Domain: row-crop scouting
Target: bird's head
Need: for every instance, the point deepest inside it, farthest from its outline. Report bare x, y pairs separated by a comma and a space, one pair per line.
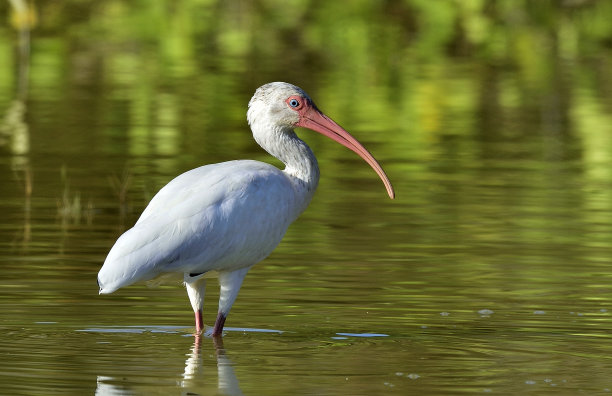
283, 106
280, 103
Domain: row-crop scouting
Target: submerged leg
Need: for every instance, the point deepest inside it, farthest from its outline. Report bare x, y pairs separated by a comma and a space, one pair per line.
195, 291
230, 283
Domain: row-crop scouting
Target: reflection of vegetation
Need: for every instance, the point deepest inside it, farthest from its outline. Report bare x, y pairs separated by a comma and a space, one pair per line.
69, 206
121, 187
13, 129
447, 84
157, 58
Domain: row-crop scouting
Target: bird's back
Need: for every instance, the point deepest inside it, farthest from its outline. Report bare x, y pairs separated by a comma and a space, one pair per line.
217, 217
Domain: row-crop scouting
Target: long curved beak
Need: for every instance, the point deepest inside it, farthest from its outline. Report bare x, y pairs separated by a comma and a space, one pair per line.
312, 118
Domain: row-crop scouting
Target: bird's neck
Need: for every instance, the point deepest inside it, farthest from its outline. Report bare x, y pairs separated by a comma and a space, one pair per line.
300, 163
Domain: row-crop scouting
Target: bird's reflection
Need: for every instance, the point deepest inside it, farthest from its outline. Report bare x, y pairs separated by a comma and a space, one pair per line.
227, 381
192, 376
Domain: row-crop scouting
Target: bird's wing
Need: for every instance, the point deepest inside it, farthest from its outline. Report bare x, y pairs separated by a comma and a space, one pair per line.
217, 217
201, 184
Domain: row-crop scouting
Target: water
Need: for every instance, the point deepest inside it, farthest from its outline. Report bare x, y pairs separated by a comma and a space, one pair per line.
489, 273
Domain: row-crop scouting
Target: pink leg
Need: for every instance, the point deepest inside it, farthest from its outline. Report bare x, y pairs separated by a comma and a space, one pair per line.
218, 329
198, 322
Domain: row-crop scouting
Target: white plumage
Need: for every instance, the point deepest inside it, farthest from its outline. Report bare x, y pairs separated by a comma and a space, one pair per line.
224, 218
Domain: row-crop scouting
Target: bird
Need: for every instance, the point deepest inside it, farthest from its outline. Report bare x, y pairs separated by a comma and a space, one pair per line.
221, 219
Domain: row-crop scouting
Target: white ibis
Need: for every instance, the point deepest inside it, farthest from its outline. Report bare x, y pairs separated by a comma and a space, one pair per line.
224, 218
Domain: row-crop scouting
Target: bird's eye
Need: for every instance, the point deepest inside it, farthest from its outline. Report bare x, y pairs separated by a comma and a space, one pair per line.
294, 103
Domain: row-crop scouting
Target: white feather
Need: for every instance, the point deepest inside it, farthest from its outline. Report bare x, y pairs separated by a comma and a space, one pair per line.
216, 217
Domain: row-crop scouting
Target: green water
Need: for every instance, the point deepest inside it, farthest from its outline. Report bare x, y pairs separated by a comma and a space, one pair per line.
490, 271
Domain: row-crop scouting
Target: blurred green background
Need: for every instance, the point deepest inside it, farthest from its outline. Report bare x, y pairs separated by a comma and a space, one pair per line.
534, 74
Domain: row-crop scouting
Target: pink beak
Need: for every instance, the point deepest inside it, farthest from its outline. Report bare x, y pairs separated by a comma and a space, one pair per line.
312, 118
